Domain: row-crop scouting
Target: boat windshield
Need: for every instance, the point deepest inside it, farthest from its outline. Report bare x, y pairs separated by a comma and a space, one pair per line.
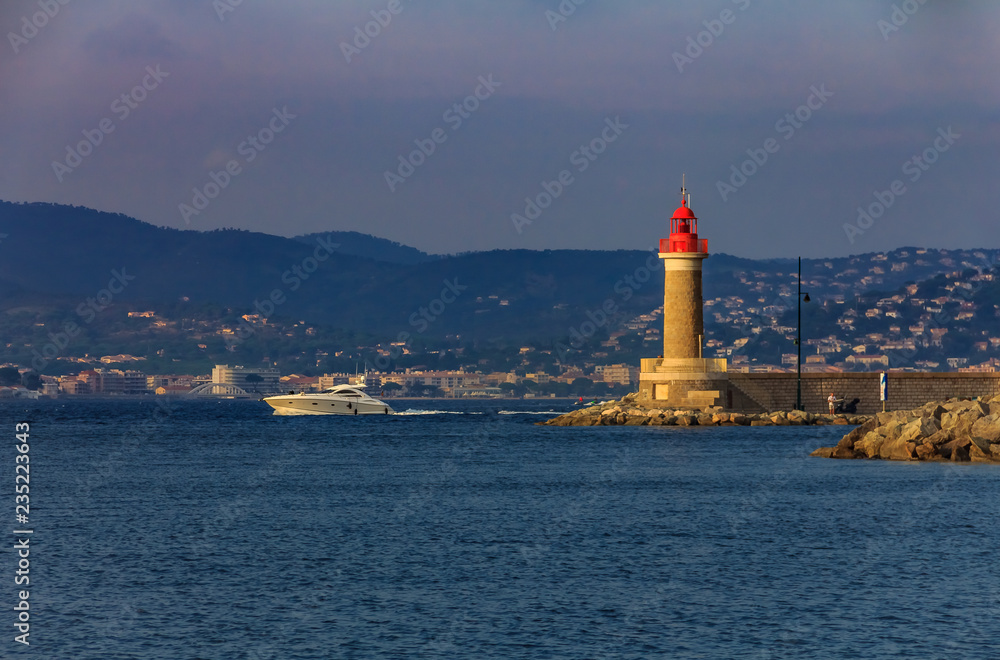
342, 391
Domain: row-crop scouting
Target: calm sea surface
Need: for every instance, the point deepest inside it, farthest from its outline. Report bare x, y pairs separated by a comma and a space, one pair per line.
217, 530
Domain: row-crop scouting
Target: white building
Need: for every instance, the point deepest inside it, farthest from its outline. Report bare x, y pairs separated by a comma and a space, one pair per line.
223, 374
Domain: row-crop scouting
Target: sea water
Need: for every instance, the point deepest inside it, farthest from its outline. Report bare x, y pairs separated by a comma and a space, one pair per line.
214, 529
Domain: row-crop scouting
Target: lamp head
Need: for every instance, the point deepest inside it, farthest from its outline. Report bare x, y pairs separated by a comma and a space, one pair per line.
806, 298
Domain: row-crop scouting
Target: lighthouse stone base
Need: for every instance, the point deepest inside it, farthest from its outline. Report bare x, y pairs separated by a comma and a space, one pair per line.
695, 383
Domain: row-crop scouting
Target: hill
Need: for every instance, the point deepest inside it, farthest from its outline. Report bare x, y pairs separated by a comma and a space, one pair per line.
62, 264
55, 252
371, 247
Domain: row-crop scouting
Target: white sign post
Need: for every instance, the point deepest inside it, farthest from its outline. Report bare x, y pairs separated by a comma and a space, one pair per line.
883, 389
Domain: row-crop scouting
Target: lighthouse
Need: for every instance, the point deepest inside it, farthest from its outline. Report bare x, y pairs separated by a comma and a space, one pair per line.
682, 377
682, 254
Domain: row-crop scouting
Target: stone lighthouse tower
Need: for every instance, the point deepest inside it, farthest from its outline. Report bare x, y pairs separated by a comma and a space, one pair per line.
682, 254
681, 377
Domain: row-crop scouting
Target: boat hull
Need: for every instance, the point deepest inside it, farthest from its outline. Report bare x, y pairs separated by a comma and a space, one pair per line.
306, 405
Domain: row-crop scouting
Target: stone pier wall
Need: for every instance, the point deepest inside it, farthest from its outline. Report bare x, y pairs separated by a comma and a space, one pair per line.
757, 392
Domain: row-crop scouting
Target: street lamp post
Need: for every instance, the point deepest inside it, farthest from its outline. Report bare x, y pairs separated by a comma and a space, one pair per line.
799, 299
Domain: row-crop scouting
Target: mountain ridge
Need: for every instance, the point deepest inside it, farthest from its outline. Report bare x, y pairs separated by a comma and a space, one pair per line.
54, 253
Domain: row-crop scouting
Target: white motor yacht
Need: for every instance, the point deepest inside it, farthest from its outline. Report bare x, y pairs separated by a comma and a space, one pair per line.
336, 400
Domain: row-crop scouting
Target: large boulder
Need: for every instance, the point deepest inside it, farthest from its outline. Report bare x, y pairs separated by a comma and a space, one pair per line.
847, 442
861, 431
941, 437
884, 418
977, 455
987, 428
897, 449
870, 445
918, 429
779, 419
902, 416
800, 417
983, 445
843, 452
934, 410
894, 428
983, 409
956, 450
958, 405
960, 455
961, 421
928, 452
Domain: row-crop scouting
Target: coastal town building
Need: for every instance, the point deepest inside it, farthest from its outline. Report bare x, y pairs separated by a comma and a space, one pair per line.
107, 381
621, 374
168, 380
17, 392
259, 379
445, 380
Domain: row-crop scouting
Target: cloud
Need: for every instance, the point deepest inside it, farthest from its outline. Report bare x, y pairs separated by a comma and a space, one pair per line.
133, 38
607, 59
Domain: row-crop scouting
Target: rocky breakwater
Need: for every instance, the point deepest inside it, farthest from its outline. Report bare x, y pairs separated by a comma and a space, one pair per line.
956, 430
626, 412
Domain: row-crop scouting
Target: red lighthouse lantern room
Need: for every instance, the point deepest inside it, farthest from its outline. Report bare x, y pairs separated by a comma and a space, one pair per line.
684, 231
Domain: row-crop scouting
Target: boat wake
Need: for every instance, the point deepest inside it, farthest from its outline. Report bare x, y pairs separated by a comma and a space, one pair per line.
417, 411
413, 411
528, 412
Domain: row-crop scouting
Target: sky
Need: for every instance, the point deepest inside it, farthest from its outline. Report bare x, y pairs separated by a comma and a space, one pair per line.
814, 129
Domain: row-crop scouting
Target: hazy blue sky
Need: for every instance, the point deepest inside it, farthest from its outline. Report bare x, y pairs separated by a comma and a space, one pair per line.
887, 81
